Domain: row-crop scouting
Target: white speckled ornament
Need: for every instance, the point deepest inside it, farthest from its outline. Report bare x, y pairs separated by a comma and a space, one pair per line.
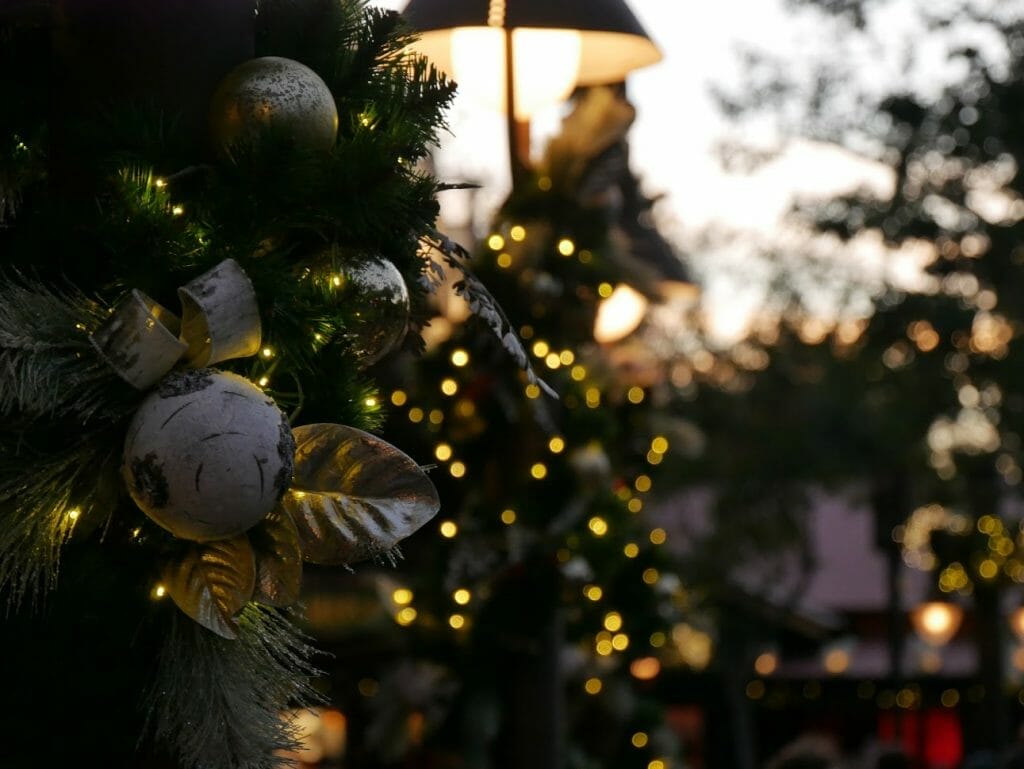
274, 92
208, 455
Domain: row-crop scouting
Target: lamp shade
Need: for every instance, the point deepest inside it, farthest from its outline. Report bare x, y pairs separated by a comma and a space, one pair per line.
557, 45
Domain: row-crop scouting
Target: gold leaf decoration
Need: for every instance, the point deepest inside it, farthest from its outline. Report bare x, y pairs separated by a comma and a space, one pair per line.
353, 495
213, 582
278, 560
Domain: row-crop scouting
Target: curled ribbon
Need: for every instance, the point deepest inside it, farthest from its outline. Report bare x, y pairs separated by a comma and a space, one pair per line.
142, 340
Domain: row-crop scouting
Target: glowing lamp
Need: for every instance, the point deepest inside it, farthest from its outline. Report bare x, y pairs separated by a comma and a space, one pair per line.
619, 315
936, 622
555, 46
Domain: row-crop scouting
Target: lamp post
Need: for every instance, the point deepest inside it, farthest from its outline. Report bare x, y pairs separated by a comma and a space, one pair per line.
522, 55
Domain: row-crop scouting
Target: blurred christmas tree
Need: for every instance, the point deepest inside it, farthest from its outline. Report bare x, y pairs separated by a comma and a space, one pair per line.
254, 165
544, 583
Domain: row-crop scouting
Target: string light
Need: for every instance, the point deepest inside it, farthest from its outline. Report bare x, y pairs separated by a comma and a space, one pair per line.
593, 397
508, 517
457, 469
399, 398
566, 247
654, 458
495, 242
457, 621
650, 576
517, 233
263, 381
449, 529
566, 357
159, 591
642, 483
605, 290
436, 416
402, 596
645, 669
635, 505
639, 739
539, 470
658, 537
604, 647
578, 373
532, 391
556, 445
504, 260
443, 452
656, 764
177, 210
552, 360
635, 395
449, 387
592, 686
598, 526
657, 639
541, 348
336, 281
73, 513
160, 183
659, 445
544, 183
415, 415
462, 596
612, 621
267, 352
631, 550
370, 402
620, 642
585, 256
593, 592
406, 616
460, 358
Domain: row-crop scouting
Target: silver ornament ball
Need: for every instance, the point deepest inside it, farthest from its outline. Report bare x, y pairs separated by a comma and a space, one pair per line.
379, 299
207, 455
275, 93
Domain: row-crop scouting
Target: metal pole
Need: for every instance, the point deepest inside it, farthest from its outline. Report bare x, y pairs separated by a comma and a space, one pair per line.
518, 131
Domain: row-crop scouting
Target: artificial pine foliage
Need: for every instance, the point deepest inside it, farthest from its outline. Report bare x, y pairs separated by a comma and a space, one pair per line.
116, 203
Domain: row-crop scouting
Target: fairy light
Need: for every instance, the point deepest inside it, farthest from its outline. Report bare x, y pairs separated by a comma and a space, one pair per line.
532, 391
578, 373
639, 739
598, 526
508, 517
406, 616
592, 686
136, 532
604, 647
656, 764
566, 357
449, 387
457, 469
654, 458
370, 402
645, 669
620, 642
631, 550
436, 416
593, 397
657, 639
659, 445
267, 352
556, 445
263, 381
457, 621
642, 483
159, 591
539, 470
178, 210
552, 360
73, 513
635, 395
635, 505
566, 247
495, 242
460, 358
544, 185
541, 348
526, 332
517, 233
593, 592
658, 537
399, 398
461, 596
402, 596
465, 408
449, 529
159, 183
336, 281
585, 256
605, 290
443, 452
504, 260
650, 576
415, 415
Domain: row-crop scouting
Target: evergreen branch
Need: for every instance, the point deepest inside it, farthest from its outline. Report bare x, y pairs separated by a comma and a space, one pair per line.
47, 366
219, 703
41, 498
480, 301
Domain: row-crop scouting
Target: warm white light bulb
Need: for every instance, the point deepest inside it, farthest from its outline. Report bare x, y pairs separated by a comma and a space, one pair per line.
619, 315
546, 61
936, 622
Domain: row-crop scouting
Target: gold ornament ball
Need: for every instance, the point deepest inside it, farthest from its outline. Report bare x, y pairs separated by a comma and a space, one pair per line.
278, 94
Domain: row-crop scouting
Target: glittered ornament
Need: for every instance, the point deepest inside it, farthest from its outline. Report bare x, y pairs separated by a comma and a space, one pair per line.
274, 93
208, 455
379, 299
